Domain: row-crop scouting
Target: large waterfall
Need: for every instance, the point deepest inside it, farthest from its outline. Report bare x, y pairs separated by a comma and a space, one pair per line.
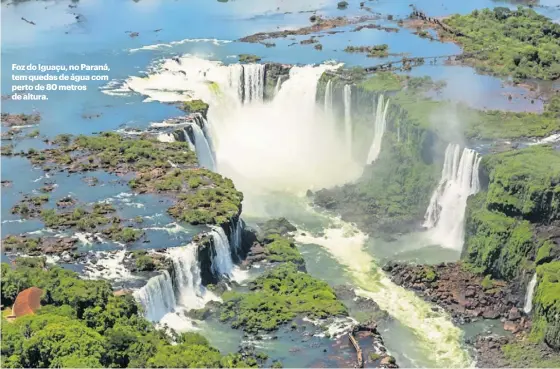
446, 213
222, 263
379, 129
529, 295
348, 117
276, 151
253, 83
157, 297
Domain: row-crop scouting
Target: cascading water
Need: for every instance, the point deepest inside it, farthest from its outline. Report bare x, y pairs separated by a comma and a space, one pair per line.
222, 263
278, 85
446, 213
437, 341
529, 295
328, 106
279, 150
236, 234
379, 129
157, 297
203, 149
164, 294
189, 141
348, 117
166, 137
253, 83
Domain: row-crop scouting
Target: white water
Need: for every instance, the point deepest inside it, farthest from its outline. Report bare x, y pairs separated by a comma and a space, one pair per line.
222, 264
278, 85
164, 294
166, 137
438, 339
157, 297
236, 235
348, 117
203, 149
328, 106
279, 149
446, 213
379, 129
253, 83
529, 295
188, 284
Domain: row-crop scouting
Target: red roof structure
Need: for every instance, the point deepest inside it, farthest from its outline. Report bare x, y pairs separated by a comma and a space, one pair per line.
27, 302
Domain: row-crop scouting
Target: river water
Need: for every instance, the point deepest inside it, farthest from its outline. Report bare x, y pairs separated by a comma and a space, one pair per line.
274, 152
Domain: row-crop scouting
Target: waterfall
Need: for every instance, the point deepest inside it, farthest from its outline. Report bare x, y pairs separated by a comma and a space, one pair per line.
529, 295
253, 83
329, 98
203, 149
379, 129
236, 234
222, 264
192, 147
446, 212
157, 297
278, 85
166, 137
348, 117
187, 282
235, 79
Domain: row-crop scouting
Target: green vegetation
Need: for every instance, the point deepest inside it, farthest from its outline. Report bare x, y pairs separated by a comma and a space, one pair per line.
547, 304
249, 58
525, 354
502, 239
375, 51
520, 43
215, 200
522, 191
33, 134
524, 183
381, 82
487, 283
280, 249
195, 106
82, 324
277, 297
202, 197
342, 5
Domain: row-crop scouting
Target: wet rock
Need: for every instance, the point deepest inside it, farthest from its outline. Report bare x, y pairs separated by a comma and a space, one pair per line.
514, 314
66, 202
458, 291
90, 181
11, 120
6, 183
58, 245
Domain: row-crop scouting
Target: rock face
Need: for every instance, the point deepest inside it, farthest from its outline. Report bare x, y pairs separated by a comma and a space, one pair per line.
273, 72
464, 295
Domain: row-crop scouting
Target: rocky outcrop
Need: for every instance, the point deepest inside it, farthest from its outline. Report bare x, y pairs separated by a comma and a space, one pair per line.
12, 120
466, 296
31, 246
274, 72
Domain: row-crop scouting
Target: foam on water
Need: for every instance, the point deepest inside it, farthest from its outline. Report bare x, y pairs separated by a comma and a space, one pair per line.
438, 338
